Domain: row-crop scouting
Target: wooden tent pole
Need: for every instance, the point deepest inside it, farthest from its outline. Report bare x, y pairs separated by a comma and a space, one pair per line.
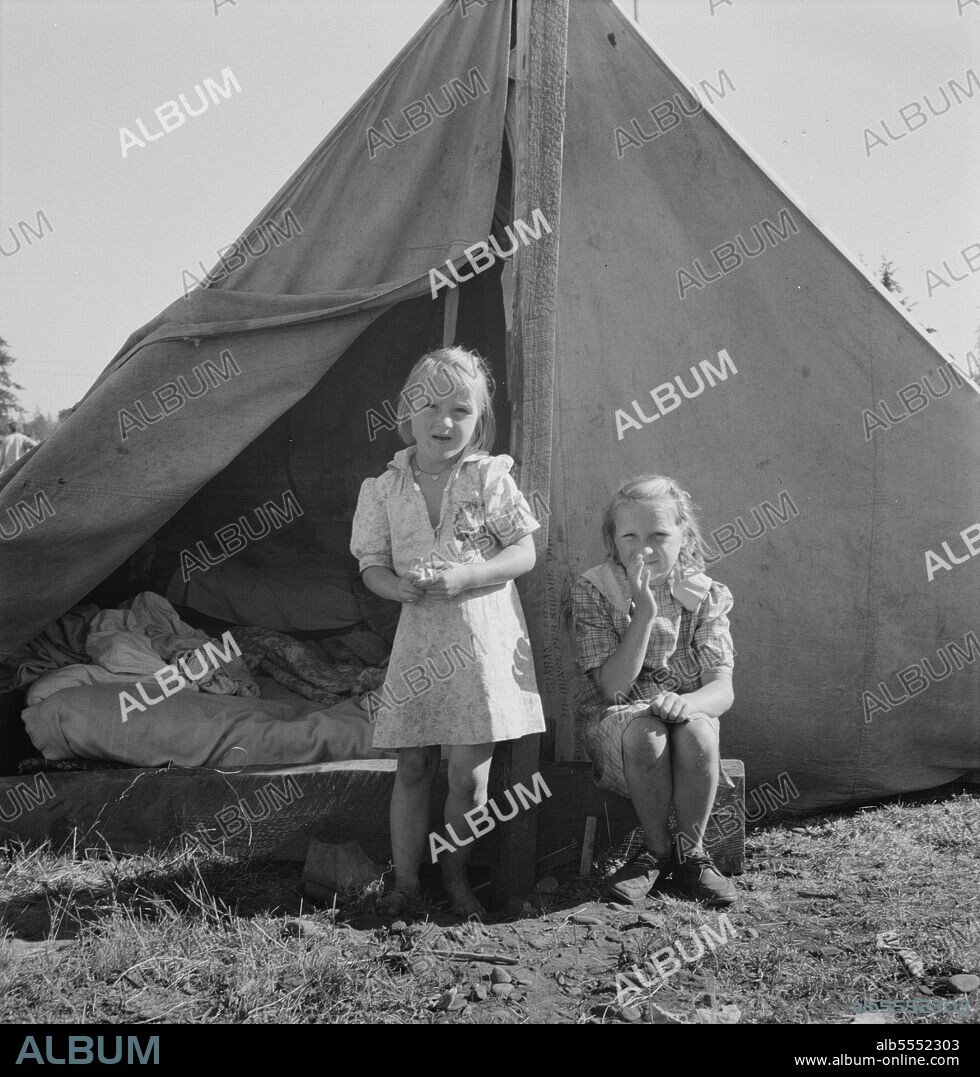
541, 47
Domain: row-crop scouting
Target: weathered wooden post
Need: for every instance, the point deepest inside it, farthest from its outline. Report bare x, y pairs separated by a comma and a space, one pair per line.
539, 73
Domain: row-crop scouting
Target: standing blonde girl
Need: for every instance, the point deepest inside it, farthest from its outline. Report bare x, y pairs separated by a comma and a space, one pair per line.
445, 531
653, 643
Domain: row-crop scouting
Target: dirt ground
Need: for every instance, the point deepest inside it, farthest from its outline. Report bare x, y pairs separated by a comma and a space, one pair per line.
877, 904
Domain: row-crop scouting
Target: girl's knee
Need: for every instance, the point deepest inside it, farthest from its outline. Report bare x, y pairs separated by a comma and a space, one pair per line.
699, 735
417, 765
467, 782
469, 770
646, 740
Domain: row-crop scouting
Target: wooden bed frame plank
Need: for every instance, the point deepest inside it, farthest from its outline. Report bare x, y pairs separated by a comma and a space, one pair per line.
273, 812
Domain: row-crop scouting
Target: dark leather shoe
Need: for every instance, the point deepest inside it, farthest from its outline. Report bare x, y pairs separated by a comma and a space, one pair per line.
636, 879
699, 877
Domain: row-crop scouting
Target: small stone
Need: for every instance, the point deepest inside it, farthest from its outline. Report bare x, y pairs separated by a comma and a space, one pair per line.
479, 993
500, 976
751, 932
515, 906
451, 1001
632, 1014
573, 992
725, 1015
964, 983
547, 885
521, 976
502, 990
300, 927
586, 919
656, 1016
483, 969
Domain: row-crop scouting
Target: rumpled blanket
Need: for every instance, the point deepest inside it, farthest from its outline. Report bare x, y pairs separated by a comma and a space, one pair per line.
144, 634
61, 643
295, 665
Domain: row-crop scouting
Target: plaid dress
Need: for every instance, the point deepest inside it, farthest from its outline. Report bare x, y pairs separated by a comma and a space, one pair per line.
690, 637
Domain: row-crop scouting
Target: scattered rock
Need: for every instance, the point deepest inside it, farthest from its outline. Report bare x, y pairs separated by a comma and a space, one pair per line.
300, 927
479, 993
483, 970
724, 1015
656, 1016
751, 932
632, 1014
963, 983
502, 990
573, 992
586, 919
517, 906
500, 976
452, 1001
522, 976
547, 885
337, 867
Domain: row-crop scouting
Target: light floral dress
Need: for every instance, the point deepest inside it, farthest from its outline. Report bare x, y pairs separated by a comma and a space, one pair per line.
461, 670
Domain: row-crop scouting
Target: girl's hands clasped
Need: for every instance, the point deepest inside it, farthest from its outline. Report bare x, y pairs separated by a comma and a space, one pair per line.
448, 583
408, 589
671, 708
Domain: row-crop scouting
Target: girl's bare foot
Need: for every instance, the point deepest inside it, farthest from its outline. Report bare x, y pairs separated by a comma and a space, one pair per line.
397, 902
464, 901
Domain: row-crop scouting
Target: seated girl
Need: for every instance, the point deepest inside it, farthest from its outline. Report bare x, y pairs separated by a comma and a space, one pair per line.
654, 647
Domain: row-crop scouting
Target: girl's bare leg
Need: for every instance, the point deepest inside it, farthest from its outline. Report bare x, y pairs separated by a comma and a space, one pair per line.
410, 813
647, 766
695, 755
469, 772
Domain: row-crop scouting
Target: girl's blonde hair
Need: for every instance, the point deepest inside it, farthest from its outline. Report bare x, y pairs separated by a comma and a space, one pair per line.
661, 492
438, 374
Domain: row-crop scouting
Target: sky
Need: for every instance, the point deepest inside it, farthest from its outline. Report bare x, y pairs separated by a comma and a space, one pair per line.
117, 232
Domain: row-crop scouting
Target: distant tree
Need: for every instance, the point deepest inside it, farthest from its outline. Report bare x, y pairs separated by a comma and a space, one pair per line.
886, 274
9, 406
41, 426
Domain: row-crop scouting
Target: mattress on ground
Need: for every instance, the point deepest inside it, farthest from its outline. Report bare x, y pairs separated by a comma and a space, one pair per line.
194, 729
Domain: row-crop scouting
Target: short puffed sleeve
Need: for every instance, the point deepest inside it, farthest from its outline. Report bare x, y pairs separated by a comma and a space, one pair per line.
371, 533
712, 643
508, 515
596, 637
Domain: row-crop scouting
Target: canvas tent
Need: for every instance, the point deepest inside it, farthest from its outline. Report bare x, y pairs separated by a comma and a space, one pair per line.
792, 346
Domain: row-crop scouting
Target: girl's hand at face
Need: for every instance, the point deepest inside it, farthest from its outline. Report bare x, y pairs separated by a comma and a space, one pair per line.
408, 588
671, 708
448, 583
645, 605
